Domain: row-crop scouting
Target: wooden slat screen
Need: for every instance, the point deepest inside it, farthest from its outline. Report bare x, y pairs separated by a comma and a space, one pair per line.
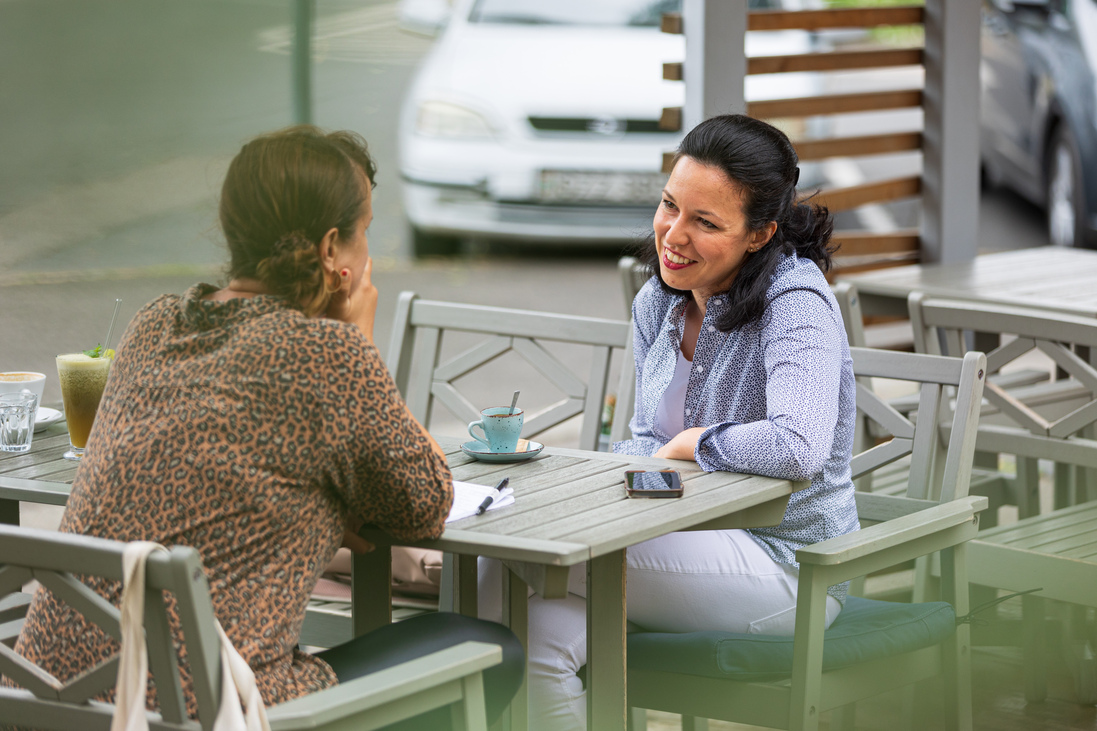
835, 61
835, 104
671, 118
854, 146
867, 243
836, 18
671, 23
859, 250
668, 162
880, 191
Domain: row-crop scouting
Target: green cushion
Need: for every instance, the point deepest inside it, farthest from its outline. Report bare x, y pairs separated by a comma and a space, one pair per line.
864, 630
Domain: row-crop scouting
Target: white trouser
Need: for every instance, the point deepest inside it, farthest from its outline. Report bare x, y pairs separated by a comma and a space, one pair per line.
680, 582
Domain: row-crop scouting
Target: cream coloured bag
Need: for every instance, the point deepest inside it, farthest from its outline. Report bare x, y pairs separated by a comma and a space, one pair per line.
237, 679
415, 572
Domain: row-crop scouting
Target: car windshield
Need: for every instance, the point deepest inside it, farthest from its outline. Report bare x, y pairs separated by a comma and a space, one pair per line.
644, 13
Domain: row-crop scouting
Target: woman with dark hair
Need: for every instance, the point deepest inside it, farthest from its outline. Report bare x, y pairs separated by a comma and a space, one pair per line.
742, 365
257, 422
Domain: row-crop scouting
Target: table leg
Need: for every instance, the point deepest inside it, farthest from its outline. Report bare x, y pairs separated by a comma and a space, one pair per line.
371, 589
9, 512
465, 586
607, 708
516, 616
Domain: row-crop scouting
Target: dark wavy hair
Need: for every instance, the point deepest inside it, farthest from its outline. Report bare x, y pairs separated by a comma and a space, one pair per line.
282, 193
760, 160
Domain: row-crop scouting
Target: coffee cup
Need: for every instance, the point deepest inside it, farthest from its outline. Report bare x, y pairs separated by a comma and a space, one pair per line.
501, 429
17, 381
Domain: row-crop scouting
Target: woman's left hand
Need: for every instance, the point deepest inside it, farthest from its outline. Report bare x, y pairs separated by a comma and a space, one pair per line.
356, 304
683, 445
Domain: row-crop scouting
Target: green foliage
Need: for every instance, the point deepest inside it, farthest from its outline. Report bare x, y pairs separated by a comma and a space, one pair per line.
894, 35
99, 352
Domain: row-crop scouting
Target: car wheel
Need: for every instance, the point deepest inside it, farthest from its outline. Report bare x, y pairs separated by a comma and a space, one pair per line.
1065, 219
427, 244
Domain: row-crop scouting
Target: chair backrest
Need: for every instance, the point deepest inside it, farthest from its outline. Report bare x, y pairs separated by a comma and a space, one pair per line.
55, 560
634, 274
852, 318
950, 390
1061, 427
415, 359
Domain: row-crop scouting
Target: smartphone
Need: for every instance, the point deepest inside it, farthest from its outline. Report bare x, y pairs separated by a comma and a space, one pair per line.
653, 483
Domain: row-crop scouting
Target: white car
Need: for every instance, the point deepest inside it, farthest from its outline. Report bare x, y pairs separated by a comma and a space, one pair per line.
539, 120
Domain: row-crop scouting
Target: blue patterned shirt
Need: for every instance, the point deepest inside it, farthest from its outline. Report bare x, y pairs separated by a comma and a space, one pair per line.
776, 399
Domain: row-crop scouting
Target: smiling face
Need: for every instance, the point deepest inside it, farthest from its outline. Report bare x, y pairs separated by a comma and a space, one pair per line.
701, 233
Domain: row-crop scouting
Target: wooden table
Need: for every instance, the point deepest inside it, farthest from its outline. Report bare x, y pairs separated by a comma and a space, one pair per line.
41, 475
1050, 277
570, 508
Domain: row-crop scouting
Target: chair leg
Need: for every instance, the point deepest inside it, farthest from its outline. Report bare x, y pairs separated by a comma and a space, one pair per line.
1080, 657
1064, 485
1035, 640
955, 687
1028, 487
469, 714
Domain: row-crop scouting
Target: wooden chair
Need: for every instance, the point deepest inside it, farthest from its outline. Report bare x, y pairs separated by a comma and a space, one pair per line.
788, 682
634, 275
449, 677
892, 480
415, 358
421, 326
1053, 421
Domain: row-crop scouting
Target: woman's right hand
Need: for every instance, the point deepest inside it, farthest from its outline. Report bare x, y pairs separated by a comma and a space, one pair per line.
356, 303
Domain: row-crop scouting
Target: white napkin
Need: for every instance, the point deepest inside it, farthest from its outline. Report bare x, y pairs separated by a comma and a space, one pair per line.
467, 498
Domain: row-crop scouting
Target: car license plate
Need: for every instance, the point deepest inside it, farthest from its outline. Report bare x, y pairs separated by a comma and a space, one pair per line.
593, 187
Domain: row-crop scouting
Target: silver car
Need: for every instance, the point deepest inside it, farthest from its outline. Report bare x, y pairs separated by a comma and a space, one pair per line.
540, 121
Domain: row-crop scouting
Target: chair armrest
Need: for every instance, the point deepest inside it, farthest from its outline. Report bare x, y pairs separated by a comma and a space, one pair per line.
893, 533
402, 681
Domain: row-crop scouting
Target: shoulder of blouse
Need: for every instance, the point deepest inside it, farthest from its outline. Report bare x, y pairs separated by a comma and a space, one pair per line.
793, 274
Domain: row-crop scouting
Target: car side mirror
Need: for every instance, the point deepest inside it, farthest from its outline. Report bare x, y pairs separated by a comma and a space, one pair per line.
425, 17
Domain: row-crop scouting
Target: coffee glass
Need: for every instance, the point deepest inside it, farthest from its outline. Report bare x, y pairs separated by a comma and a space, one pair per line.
500, 427
17, 414
83, 379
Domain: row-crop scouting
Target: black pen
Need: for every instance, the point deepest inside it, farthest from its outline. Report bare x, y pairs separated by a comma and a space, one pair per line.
492, 497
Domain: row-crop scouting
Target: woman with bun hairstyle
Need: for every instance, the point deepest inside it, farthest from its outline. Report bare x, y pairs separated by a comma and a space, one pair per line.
257, 423
742, 365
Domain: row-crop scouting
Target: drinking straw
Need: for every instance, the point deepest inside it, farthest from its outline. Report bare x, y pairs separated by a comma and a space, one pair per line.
513, 403
110, 330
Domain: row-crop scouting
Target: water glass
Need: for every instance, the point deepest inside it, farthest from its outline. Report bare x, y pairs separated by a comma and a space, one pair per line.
17, 414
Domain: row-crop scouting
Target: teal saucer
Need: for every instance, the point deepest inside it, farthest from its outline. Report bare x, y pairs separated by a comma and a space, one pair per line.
477, 450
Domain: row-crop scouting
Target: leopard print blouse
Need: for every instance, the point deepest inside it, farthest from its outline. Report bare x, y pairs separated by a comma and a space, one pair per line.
250, 432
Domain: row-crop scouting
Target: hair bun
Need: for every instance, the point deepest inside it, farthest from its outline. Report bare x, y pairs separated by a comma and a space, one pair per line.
290, 243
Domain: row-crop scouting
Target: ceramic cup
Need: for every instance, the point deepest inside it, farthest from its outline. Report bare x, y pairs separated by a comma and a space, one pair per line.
17, 381
501, 429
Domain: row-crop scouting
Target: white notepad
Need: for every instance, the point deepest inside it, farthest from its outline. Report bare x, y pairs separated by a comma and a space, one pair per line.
467, 498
